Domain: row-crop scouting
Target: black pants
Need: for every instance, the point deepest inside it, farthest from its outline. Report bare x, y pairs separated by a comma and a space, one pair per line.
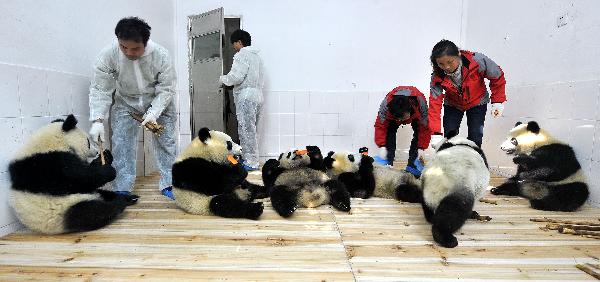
390, 143
475, 119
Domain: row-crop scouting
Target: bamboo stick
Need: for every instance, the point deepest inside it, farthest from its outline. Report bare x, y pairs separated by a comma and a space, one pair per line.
589, 270
566, 230
154, 127
102, 160
489, 201
545, 219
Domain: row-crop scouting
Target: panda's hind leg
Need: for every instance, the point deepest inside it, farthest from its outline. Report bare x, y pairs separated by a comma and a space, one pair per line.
450, 215
231, 206
93, 214
284, 200
409, 193
340, 198
566, 198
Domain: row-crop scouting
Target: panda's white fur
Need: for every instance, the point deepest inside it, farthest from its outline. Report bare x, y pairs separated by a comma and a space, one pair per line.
452, 182
387, 179
44, 212
217, 149
458, 167
548, 172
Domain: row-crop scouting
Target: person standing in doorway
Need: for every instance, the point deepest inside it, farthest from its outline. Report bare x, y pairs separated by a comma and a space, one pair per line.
402, 105
140, 74
246, 77
458, 82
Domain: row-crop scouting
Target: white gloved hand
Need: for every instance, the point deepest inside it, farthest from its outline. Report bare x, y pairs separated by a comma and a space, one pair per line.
383, 153
435, 139
97, 131
497, 109
148, 118
421, 154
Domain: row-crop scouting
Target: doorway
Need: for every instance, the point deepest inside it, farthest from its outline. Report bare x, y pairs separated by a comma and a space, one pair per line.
211, 55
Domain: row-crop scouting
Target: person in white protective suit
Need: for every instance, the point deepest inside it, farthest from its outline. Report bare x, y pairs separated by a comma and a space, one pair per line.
140, 74
246, 76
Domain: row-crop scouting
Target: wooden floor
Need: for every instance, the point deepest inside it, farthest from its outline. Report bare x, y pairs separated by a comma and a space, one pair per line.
379, 240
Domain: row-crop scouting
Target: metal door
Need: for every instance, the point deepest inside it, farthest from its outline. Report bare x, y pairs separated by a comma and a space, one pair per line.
205, 45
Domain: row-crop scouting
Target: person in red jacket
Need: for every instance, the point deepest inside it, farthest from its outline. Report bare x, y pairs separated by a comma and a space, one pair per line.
402, 105
457, 82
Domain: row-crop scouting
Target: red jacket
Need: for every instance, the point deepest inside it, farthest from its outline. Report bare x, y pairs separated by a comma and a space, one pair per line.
473, 92
384, 117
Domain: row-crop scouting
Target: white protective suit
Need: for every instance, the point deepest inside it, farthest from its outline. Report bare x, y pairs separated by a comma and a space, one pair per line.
246, 76
143, 86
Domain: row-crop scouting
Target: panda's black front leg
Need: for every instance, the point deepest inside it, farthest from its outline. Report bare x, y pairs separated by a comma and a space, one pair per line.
112, 196
508, 188
284, 200
366, 176
256, 191
270, 172
231, 206
525, 161
541, 173
340, 198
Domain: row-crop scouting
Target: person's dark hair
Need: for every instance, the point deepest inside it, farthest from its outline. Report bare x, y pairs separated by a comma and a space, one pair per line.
242, 35
133, 28
400, 105
442, 48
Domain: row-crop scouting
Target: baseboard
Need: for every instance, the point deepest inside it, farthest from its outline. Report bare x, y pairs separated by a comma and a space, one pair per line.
10, 228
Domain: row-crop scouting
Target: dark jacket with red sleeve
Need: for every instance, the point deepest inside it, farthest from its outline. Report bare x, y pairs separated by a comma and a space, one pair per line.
475, 67
419, 114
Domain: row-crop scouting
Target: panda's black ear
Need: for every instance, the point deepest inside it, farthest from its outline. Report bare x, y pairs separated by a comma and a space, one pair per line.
70, 123
351, 157
330, 153
280, 156
451, 134
533, 127
518, 123
204, 134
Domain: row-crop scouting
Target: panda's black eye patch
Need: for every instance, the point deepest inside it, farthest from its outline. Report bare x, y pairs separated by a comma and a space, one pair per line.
229, 145
351, 158
289, 155
514, 141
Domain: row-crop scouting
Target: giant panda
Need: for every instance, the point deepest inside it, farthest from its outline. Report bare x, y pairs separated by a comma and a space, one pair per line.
452, 181
298, 185
272, 169
208, 179
364, 180
548, 173
55, 190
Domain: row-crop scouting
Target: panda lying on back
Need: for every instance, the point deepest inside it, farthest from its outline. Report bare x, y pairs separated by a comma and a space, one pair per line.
548, 173
54, 190
298, 185
207, 179
452, 181
364, 180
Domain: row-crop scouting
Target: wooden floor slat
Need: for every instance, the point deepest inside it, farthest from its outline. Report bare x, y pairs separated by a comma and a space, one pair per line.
378, 240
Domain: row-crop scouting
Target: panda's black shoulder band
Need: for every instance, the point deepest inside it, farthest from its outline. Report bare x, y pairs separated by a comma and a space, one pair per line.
70, 123
204, 134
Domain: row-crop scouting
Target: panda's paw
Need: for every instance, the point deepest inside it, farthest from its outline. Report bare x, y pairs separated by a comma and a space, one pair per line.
255, 210
443, 239
107, 173
341, 203
508, 188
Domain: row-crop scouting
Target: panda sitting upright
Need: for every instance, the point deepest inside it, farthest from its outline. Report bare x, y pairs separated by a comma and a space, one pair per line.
364, 180
55, 190
298, 185
452, 181
207, 179
548, 173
